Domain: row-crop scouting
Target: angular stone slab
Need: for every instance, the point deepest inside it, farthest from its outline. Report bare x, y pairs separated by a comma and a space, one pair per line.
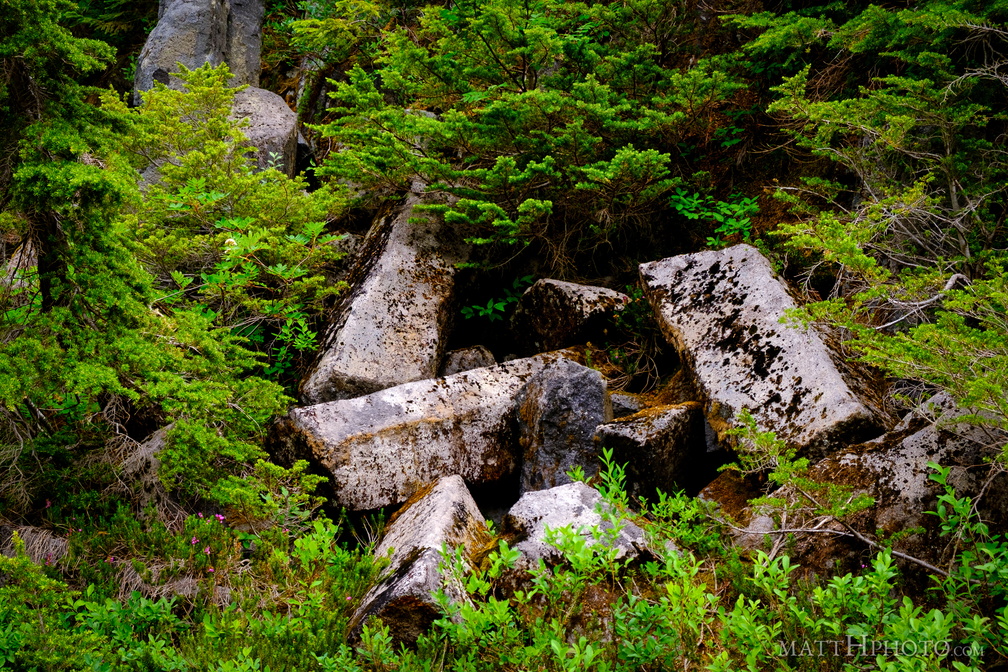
442, 514
558, 411
553, 314
657, 444
574, 505
721, 310
392, 324
382, 447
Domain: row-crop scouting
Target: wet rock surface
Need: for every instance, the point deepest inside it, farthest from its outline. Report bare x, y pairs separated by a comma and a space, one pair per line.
659, 446
382, 447
440, 515
558, 411
721, 310
392, 325
553, 314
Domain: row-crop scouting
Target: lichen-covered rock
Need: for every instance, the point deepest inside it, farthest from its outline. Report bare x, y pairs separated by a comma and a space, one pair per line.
658, 445
272, 127
442, 514
553, 314
574, 505
195, 32
392, 323
722, 311
382, 447
558, 411
466, 359
893, 471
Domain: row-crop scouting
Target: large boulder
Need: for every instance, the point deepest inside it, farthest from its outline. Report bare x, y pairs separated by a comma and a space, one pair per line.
658, 445
272, 127
553, 314
576, 506
195, 32
722, 311
382, 447
558, 411
392, 324
441, 515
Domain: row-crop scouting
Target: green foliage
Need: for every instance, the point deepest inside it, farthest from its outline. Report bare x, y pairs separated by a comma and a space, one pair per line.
495, 309
250, 246
542, 117
733, 218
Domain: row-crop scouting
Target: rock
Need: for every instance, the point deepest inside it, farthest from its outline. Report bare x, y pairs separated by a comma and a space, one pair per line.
194, 32
272, 128
466, 359
442, 514
558, 411
244, 40
624, 403
573, 505
553, 314
659, 446
722, 310
893, 470
382, 447
392, 324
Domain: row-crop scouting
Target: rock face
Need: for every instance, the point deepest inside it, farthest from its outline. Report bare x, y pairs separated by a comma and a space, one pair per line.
382, 447
392, 326
194, 32
721, 310
466, 359
443, 514
574, 505
553, 314
657, 444
558, 411
272, 127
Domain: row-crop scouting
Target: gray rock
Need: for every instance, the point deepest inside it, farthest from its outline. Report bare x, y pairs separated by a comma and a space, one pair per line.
195, 32
624, 403
392, 324
658, 446
244, 40
272, 127
573, 505
558, 411
440, 515
382, 447
553, 314
466, 359
893, 471
722, 310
